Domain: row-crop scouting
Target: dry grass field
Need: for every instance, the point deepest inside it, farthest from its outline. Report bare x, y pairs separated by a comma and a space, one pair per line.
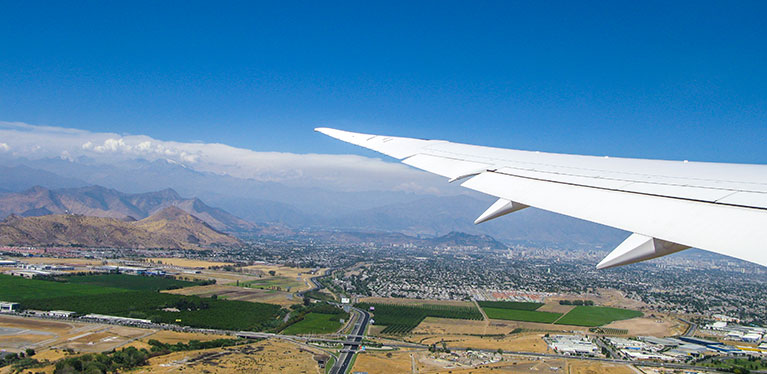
239, 293
508, 365
517, 342
188, 263
401, 362
433, 325
268, 357
104, 339
660, 326
444, 326
589, 367
379, 363
286, 272
555, 308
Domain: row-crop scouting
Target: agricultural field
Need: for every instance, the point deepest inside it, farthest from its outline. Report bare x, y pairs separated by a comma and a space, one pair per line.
193, 311
589, 316
401, 319
223, 292
521, 315
84, 298
509, 305
592, 316
129, 282
316, 323
517, 311
18, 289
276, 283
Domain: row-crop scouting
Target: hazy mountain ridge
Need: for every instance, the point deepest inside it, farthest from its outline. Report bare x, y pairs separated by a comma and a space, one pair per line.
170, 227
272, 205
97, 201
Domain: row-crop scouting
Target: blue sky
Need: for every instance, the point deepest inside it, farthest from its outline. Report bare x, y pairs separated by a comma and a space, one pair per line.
643, 79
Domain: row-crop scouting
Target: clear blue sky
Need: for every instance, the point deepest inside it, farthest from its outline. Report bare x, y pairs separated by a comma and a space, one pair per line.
647, 79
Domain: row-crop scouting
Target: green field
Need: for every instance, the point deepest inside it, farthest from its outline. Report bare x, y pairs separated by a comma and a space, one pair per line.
596, 316
401, 319
130, 282
18, 289
316, 323
521, 315
194, 311
579, 316
509, 305
85, 298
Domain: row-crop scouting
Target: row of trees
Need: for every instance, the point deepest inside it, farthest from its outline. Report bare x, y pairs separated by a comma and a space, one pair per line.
576, 302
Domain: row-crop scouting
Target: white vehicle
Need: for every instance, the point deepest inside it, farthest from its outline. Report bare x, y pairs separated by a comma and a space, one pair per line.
669, 206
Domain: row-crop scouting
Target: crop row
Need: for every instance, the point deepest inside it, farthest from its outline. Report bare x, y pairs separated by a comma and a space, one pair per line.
401, 319
516, 305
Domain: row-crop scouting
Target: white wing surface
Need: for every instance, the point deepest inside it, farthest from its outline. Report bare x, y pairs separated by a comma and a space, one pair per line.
668, 205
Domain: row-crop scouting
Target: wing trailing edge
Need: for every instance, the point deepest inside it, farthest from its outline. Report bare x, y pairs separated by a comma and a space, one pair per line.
668, 205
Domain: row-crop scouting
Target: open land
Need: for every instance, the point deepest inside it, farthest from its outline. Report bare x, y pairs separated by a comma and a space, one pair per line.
268, 357
187, 263
239, 293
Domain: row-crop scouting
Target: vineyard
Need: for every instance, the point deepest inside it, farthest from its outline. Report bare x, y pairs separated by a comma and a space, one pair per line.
401, 319
193, 311
596, 316
130, 282
510, 305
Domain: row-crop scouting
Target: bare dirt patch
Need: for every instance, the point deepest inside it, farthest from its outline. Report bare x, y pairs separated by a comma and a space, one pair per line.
173, 337
381, 363
519, 342
660, 326
269, 356
555, 308
239, 293
590, 367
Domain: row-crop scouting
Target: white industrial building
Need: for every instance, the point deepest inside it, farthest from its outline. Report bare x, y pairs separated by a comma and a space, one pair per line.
8, 307
572, 345
103, 317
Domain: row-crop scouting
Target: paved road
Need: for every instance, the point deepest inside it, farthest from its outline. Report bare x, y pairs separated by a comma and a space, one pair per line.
352, 344
691, 329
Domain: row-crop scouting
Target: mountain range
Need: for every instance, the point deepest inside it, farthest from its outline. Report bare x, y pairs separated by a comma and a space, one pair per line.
169, 227
270, 205
97, 201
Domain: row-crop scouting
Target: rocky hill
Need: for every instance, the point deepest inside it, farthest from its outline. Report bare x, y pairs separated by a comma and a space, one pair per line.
97, 201
170, 228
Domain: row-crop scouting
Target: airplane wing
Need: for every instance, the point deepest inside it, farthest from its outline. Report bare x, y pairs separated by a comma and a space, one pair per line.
669, 206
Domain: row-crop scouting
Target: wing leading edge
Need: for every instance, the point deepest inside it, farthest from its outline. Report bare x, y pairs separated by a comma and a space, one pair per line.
669, 206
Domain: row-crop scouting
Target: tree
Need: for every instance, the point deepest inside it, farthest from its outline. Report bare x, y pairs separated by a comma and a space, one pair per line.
30, 352
272, 272
307, 301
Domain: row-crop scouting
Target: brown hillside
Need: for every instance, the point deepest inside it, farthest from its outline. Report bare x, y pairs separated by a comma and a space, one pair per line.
169, 228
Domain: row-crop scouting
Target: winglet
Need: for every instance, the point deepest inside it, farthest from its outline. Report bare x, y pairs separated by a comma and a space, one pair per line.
499, 208
638, 248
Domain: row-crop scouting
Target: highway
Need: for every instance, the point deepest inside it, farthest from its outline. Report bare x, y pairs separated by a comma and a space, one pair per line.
690, 329
352, 343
